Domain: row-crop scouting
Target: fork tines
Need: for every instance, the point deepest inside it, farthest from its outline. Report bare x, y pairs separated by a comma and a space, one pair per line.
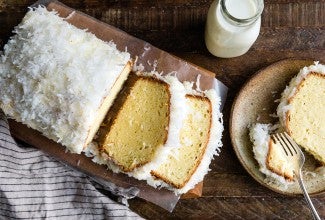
287, 143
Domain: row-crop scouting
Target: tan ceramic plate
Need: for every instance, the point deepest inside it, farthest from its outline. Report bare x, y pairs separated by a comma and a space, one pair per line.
255, 103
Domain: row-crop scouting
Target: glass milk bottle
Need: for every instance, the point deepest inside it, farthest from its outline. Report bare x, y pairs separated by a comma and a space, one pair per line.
232, 26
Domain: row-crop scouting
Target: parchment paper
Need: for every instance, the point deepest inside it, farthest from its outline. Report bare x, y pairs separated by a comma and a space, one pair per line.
148, 56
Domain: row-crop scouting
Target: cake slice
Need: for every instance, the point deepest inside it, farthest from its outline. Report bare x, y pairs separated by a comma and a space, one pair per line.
58, 79
143, 125
200, 141
269, 154
139, 126
301, 110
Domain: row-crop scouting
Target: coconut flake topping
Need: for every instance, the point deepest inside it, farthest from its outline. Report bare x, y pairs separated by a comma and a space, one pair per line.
54, 76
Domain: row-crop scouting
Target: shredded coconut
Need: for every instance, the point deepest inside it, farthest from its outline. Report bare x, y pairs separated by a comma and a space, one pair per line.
137, 67
198, 88
54, 76
260, 136
70, 15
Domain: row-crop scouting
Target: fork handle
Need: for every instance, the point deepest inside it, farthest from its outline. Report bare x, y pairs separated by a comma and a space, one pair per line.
307, 198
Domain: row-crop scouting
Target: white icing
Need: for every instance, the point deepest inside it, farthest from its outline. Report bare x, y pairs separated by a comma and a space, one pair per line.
54, 76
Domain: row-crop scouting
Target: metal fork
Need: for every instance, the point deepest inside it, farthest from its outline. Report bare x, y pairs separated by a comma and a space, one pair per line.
295, 155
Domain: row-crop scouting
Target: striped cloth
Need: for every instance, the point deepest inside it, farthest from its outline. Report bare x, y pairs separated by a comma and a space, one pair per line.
34, 185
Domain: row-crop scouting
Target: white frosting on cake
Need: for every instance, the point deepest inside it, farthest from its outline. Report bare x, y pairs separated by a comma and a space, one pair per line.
291, 89
260, 136
178, 112
54, 76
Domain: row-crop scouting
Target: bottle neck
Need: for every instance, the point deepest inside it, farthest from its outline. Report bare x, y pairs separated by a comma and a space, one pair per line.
244, 14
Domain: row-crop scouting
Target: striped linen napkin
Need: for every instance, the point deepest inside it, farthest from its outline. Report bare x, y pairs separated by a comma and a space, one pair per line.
34, 185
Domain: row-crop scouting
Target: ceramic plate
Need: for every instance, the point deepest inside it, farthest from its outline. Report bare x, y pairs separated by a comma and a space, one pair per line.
256, 103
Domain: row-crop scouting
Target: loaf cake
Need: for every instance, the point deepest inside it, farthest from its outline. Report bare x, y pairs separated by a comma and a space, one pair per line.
144, 124
200, 141
302, 110
65, 83
270, 155
58, 79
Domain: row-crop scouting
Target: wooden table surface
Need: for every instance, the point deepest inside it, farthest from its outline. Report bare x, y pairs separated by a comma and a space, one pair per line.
290, 29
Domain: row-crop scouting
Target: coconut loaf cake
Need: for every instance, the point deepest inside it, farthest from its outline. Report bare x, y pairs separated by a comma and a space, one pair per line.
63, 81
301, 110
58, 79
200, 141
144, 124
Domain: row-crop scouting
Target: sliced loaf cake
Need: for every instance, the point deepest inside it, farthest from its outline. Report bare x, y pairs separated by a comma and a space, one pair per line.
58, 79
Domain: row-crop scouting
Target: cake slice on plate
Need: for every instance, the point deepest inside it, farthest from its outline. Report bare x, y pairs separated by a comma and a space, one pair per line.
302, 110
270, 155
58, 79
301, 114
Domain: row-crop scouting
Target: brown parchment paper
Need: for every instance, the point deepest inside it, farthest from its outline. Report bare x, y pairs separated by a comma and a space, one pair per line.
151, 58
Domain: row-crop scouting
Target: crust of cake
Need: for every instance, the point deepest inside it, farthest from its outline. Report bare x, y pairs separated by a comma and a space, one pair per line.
113, 113
107, 103
273, 169
290, 100
179, 186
